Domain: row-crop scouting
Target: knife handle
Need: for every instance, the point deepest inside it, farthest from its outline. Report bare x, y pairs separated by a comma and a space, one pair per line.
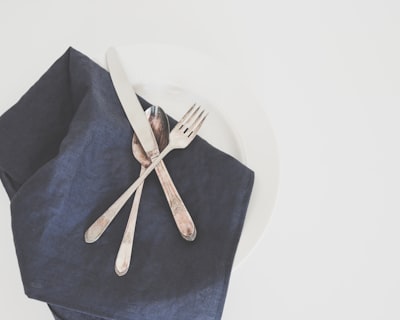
181, 215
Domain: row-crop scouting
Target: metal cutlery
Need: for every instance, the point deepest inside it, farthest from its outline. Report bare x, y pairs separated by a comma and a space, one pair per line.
144, 133
160, 126
180, 137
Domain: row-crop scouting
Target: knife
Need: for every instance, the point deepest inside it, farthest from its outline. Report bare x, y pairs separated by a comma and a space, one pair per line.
143, 131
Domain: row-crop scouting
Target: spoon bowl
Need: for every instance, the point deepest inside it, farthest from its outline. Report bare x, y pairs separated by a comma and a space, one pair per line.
160, 125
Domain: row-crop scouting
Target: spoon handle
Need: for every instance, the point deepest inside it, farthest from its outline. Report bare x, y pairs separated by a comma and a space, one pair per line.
98, 227
181, 215
123, 259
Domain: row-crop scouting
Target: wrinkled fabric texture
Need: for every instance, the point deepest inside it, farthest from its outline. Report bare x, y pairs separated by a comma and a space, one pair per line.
65, 157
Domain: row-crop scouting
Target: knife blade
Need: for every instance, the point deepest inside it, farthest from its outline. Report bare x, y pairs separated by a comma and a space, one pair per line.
131, 104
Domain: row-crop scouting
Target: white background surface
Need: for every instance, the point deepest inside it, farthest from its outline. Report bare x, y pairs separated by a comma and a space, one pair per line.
327, 74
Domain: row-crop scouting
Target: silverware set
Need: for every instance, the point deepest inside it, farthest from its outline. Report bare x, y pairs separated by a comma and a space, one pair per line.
151, 143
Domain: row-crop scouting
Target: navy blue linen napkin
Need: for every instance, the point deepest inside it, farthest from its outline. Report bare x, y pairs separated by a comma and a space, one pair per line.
65, 156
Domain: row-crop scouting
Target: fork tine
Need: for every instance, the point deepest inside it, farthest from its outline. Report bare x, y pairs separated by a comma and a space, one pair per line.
196, 120
189, 121
198, 123
187, 114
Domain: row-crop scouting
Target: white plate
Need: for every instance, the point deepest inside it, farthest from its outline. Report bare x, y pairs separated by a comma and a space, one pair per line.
176, 77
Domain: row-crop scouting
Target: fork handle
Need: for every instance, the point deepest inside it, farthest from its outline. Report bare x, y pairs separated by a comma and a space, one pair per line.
94, 232
181, 215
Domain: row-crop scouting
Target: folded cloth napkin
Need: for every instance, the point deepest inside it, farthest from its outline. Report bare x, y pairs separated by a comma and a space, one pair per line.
65, 157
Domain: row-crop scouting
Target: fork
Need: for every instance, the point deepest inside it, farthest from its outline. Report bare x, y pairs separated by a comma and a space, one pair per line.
179, 138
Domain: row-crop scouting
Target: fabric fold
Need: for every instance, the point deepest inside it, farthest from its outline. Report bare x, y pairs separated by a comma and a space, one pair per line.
65, 157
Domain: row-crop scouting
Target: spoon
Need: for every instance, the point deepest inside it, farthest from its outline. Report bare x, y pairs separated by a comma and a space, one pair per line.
160, 126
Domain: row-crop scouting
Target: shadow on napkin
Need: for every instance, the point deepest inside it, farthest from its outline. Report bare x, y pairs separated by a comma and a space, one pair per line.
65, 157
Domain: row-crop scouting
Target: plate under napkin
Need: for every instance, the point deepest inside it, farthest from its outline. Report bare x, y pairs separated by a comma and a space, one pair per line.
65, 156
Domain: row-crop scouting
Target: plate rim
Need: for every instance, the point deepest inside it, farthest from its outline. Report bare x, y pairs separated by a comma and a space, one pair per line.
247, 243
